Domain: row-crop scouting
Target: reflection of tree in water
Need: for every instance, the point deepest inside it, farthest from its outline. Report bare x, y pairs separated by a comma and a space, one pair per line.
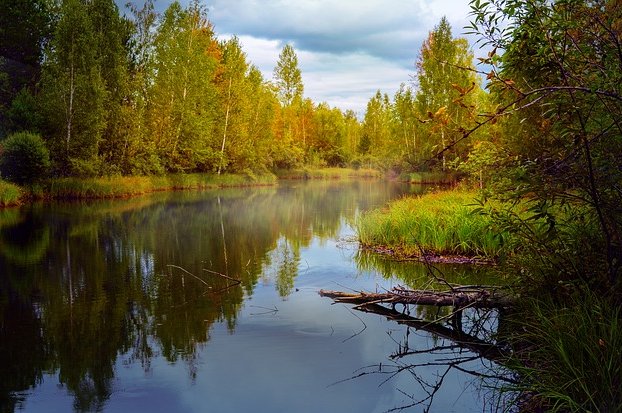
452, 342
93, 281
21, 366
418, 275
24, 241
466, 341
282, 267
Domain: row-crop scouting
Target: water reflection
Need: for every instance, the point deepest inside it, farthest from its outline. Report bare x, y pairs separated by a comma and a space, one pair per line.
83, 283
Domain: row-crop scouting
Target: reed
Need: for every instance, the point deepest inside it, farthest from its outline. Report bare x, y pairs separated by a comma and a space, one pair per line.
441, 222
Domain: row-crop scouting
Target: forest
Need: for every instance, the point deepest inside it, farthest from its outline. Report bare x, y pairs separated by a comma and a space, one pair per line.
141, 93
535, 127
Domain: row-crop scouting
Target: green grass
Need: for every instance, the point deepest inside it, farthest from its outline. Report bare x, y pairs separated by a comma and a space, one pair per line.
10, 194
328, 173
441, 222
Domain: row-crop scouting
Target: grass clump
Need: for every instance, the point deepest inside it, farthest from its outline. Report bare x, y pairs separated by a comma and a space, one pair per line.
441, 222
10, 194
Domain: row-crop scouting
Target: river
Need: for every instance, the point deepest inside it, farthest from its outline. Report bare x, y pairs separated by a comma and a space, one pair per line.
208, 301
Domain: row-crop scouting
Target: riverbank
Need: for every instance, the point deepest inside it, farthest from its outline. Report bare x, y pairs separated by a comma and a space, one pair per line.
123, 186
563, 335
327, 173
129, 186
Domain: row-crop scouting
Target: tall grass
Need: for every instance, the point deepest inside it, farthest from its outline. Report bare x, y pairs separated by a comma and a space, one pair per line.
441, 222
10, 194
573, 354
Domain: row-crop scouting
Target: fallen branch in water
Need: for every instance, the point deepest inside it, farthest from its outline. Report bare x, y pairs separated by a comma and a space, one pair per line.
476, 297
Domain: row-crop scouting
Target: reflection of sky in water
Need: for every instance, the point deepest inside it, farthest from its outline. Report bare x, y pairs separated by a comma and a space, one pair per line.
293, 359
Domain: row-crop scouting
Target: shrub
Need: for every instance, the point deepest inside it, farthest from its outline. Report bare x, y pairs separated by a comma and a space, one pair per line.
24, 158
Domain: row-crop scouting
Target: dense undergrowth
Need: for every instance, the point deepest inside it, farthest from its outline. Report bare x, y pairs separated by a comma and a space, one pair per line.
566, 332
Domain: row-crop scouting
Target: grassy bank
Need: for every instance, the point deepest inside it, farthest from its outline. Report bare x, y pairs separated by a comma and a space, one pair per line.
123, 186
328, 173
116, 187
442, 223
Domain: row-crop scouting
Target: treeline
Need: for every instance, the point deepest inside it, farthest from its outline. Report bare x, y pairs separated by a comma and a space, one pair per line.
148, 93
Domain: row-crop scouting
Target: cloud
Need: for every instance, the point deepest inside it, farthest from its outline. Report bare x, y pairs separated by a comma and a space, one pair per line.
390, 29
347, 49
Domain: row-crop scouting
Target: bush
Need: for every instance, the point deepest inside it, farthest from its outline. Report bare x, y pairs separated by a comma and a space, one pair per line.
24, 158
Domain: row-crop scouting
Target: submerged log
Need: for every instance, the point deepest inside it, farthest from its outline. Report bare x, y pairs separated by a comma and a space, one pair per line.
467, 296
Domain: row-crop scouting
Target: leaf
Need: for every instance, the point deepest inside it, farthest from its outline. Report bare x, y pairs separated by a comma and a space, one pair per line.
441, 111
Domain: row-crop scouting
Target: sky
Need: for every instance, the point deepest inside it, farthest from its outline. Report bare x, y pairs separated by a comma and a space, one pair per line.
347, 49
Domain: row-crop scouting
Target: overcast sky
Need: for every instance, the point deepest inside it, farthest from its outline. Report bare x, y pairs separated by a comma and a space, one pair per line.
347, 49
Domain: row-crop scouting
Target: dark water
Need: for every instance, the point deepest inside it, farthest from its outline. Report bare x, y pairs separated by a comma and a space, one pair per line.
132, 305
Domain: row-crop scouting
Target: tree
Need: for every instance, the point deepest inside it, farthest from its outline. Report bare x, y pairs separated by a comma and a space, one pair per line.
25, 27
183, 98
233, 95
445, 98
73, 92
24, 159
558, 85
559, 100
287, 76
376, 132
112, 34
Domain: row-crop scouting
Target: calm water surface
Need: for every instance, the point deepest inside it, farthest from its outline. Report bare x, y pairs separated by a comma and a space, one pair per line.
132, 305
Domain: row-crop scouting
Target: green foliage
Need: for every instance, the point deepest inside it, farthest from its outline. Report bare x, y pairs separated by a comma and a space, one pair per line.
72, 89
447, 96
10, 194
288, 77
563, 136
24, 158
558, 86
483, 163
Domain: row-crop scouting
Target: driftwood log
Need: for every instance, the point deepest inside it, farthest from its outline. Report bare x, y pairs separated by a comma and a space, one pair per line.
459, 297
449, 327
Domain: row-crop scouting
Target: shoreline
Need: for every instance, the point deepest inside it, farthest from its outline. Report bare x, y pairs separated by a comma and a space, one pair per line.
123, 187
